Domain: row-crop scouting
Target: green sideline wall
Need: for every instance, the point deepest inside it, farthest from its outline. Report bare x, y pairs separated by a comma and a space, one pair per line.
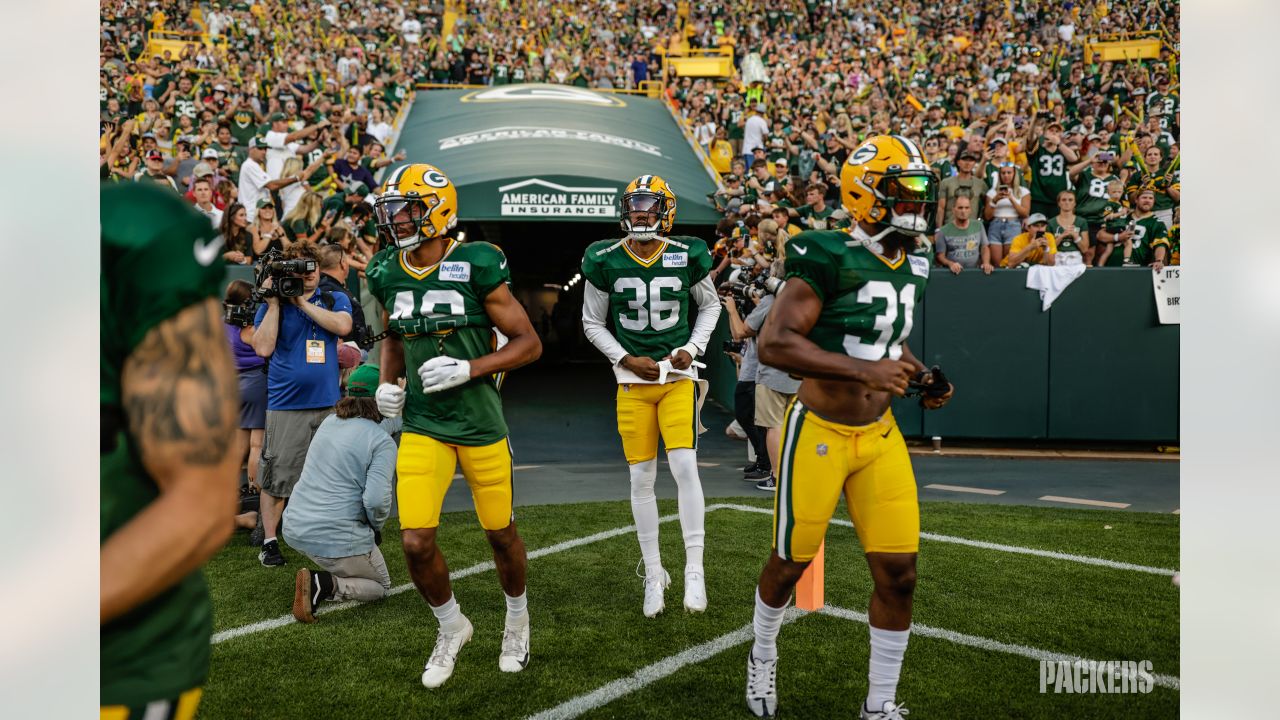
1096, 366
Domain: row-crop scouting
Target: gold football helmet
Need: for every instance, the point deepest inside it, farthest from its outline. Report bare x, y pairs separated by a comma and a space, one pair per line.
648, 194
418, 202
888, 182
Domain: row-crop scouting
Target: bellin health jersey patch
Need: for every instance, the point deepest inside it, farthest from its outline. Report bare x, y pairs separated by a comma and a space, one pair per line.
455, 271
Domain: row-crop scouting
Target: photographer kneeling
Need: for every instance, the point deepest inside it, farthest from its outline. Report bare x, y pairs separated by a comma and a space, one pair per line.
297, 328
341, 502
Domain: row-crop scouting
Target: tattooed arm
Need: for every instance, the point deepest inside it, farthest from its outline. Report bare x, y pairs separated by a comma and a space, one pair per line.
180, 396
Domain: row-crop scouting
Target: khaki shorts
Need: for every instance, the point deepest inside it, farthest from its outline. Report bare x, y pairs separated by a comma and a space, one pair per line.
771, 405
284, 447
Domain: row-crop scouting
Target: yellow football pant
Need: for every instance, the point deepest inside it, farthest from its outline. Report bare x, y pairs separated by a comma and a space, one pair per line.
425, 468
182, 707
646, 410
869, 464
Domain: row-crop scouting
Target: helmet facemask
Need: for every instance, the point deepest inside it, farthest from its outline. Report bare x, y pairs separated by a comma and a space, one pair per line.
405, 221
909, 199
652, 203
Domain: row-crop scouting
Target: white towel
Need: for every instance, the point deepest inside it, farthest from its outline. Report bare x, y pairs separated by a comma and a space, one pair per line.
1051, 280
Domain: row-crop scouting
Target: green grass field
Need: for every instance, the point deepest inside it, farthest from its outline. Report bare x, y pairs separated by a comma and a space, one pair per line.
588, 631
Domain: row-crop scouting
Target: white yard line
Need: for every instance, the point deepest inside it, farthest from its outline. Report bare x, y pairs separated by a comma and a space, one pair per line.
1177, 511
455, 575
1165, 681
668, 666
1086, 501
283, 620
1082, 559
963, 489
650, 674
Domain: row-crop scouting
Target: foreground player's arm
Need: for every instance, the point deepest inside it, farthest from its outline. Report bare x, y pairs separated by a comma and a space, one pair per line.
523, 345
180, 395
783, 344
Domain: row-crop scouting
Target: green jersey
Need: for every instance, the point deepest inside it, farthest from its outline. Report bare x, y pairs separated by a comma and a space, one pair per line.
868, 302
1048, 175
158, 257
828, 218
243, 126
648, 297
1091, 195
1148, 233
439, 310
1070, 242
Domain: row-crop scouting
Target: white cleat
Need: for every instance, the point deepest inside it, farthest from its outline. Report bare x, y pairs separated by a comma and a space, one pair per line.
889, 711
695, 591
515, 648
445, 655
762, 687
654, 593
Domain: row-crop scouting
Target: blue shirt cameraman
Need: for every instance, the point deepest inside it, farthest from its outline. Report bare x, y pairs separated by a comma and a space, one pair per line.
300, 335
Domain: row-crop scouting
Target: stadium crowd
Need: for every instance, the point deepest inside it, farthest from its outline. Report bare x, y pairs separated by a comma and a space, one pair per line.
274, 118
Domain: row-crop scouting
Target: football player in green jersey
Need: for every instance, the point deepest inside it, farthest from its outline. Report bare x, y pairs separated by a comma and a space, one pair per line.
169, 455
841, 322
443, 301
644, 283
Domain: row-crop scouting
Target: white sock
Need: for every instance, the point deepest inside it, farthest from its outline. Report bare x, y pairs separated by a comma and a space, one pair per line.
887, 649
684, 467
449, 614
767, 622
644, 509
517, 609
268, 540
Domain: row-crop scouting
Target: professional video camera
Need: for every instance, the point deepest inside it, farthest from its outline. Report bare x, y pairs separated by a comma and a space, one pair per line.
286, 281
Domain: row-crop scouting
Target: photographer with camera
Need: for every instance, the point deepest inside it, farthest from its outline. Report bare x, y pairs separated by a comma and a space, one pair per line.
773, 388
299, 334
251, 369
743, 344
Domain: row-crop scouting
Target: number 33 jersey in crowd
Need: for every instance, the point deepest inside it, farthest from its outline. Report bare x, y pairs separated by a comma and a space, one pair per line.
648, 297
868, 301
439, 310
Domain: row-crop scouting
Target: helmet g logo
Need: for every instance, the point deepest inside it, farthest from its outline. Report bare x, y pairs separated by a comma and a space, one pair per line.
435, 179
863, 154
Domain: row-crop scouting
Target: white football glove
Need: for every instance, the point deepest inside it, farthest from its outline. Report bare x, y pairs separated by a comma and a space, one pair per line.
665, 368
442, 373
390, 398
